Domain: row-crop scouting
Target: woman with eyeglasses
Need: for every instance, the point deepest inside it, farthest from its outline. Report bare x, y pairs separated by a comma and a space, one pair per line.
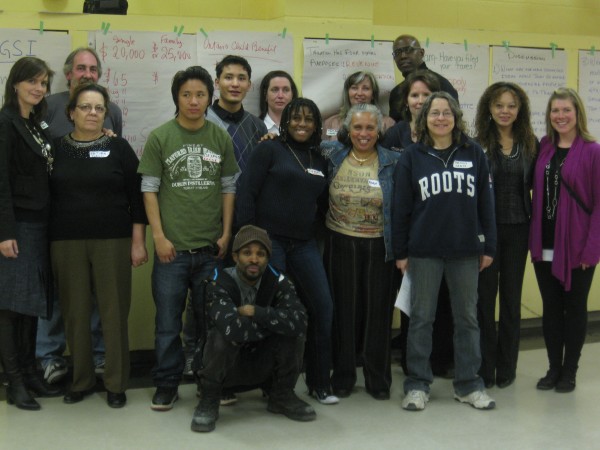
360, 87
26, 160
97, 232
413, 93
503, 129
443, 224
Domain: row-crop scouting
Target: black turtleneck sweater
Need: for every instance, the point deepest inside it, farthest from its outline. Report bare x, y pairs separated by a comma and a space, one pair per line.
281, 188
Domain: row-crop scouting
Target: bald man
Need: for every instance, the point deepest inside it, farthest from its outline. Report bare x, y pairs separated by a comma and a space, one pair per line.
408, 56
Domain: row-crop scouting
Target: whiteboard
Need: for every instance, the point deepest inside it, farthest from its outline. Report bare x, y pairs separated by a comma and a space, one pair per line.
264, 51
327, 64
466, 69
53, 47
589, 88
137, 69
538, 71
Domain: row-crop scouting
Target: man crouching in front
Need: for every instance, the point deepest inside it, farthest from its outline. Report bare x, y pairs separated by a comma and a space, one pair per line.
256, 328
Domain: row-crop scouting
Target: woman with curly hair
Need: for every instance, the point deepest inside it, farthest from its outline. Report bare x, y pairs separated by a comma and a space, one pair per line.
503, 129
281, 190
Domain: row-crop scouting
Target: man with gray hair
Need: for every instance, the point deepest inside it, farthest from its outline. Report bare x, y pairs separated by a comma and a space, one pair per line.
81, 66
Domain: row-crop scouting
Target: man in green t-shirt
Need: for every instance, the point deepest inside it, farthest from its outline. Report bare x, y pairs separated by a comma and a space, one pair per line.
189, 174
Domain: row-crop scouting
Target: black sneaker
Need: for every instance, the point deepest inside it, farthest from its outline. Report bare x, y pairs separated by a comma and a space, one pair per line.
291, 406
163, 399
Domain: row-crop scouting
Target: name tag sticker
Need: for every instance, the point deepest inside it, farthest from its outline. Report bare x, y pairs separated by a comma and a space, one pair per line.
463, 164
99, 154
315, 172
331, 132
374, 183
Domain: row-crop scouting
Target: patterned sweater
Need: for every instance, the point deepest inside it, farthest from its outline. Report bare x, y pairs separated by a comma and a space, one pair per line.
278, 309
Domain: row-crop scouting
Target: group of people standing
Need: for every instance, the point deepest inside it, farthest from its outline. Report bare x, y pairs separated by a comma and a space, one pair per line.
417, 201
73, 223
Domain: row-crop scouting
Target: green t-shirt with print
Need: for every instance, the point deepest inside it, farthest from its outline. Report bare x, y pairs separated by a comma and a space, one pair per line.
190, 165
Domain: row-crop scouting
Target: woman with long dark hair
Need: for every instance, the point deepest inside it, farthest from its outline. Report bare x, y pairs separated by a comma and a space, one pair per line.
26, 161
503, 129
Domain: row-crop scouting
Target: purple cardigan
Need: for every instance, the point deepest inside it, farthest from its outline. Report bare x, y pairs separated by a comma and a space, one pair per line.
577, 234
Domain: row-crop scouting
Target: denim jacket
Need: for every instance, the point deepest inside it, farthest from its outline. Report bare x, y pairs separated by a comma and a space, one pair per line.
387, 161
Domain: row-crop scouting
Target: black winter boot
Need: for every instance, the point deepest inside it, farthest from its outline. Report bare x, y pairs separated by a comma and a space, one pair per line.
288, 404
31, 378
16, 392
207, 411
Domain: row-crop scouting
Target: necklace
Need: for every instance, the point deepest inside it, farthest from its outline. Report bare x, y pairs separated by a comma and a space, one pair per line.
44, 145
360, 161
511, 155
298, 159
555, 180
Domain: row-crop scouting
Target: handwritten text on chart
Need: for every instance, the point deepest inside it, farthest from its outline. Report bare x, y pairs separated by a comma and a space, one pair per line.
243, 46
446, 61
125, 48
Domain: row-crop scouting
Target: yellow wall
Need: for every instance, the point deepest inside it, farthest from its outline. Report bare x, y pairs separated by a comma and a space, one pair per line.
571, 24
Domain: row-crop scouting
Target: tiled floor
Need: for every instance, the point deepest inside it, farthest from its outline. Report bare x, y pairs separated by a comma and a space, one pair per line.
525, 418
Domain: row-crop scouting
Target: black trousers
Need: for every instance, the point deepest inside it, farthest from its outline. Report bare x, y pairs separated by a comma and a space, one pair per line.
500, 349
565, 315
274, 362
364, 287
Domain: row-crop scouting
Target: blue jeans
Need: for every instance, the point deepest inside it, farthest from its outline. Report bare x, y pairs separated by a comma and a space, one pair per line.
170, 284
461, 276
51, 341
302, 260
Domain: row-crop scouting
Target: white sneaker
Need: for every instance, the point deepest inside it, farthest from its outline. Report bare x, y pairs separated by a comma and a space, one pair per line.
415, 400
99, 369
55, 371
324, 396
477, 399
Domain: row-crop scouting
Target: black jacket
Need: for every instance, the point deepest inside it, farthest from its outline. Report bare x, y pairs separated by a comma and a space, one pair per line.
24, 187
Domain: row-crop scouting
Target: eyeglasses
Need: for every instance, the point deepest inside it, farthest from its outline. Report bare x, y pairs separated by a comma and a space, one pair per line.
445, 114
406, 50
87, 108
